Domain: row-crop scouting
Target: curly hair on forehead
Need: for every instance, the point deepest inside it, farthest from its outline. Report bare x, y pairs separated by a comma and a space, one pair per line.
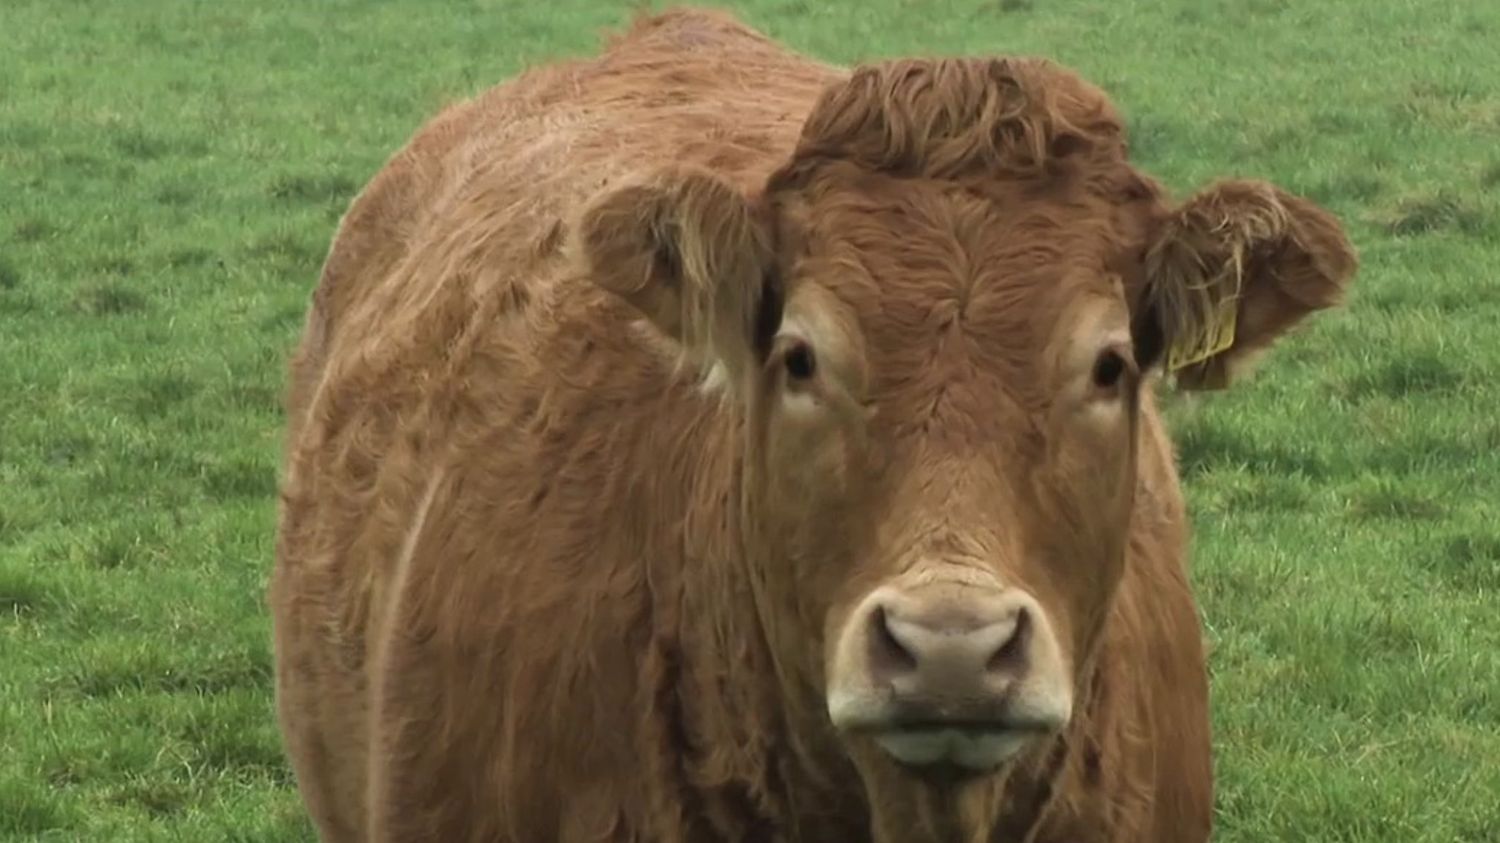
961, 117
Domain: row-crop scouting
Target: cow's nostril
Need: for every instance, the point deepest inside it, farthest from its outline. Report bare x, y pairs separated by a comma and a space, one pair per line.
887, 654
1012, 654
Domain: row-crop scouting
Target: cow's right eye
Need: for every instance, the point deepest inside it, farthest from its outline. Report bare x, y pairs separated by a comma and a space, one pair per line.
800, 362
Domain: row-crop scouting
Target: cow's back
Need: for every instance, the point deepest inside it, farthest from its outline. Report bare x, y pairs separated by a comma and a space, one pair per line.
444, 287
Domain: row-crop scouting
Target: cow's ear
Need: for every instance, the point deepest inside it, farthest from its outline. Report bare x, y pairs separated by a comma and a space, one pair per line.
686, 249
1229, 272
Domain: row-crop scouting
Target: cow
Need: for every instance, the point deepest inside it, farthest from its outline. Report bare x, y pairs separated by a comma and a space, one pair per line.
697, 441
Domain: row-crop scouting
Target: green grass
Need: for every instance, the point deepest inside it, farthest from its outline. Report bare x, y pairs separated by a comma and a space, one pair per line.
171, 172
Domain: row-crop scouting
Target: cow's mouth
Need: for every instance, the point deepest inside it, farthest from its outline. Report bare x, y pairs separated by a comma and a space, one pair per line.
955, 750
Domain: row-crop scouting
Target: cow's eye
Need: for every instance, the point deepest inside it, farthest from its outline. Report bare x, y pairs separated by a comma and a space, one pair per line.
1109, 368
799, 360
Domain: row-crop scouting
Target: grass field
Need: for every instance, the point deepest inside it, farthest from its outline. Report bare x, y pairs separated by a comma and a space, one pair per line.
171, 172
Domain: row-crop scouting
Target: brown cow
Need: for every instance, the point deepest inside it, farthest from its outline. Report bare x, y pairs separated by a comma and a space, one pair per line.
701, 443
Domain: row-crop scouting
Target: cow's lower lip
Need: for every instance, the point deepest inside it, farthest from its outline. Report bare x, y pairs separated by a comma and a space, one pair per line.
954, 749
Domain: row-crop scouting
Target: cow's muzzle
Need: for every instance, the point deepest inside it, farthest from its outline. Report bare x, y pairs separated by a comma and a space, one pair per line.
949, 678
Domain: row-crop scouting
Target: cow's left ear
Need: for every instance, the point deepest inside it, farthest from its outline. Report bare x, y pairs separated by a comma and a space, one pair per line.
1229, 272
686, 249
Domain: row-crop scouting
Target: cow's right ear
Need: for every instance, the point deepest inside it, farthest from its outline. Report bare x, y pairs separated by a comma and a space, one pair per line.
686, 250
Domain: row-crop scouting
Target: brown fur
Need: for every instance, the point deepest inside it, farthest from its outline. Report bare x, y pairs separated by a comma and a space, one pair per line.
537, 580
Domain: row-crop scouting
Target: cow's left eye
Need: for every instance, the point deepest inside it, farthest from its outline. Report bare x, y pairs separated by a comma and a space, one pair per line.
1109, 369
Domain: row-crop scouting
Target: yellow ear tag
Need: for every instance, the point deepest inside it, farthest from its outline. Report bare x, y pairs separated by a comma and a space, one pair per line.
1220, 336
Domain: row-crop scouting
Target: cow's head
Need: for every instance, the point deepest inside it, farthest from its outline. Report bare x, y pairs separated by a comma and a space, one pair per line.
940, 320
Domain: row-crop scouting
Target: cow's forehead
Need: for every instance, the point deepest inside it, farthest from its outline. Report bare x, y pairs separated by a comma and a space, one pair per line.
932, 271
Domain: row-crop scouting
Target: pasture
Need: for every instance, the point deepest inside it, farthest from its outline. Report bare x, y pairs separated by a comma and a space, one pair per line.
171, 173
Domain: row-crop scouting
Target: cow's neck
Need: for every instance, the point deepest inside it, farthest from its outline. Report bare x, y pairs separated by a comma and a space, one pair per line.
709, 734
740, 741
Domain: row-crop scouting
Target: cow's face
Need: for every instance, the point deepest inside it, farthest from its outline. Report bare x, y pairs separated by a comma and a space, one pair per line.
942, 344
946, 468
